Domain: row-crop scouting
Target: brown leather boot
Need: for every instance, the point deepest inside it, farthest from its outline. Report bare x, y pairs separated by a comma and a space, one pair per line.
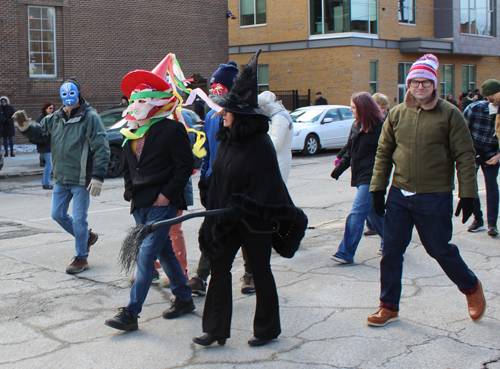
92, 239
476, 303
77, 266
381, 317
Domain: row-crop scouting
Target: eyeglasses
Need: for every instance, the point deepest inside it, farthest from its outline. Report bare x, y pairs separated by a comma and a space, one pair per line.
415, 83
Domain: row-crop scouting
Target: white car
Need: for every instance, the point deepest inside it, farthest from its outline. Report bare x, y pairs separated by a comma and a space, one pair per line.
321, 127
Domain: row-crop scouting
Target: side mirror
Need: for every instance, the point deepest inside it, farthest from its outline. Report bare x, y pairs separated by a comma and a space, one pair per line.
327, 120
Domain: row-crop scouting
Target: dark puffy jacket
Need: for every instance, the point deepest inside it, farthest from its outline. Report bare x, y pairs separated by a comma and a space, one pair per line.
6, 120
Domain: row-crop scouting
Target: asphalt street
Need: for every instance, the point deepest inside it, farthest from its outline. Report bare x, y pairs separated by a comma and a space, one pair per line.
49, 319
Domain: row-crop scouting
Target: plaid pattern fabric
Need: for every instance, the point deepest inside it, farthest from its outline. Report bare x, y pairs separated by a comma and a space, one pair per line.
482, 128
139, 147
389, 306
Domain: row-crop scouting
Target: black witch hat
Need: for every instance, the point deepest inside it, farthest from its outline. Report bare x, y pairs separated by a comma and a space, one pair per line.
243, 96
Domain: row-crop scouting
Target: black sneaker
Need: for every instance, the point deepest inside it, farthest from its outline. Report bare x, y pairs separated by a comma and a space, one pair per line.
198, 286
492, 230
124, 321
476, 226
179, 308
248, 285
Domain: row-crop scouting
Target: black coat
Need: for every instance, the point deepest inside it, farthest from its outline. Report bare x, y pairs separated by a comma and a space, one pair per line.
360, 152
165, 166
320, 101
246, 174
6, 120
43, 142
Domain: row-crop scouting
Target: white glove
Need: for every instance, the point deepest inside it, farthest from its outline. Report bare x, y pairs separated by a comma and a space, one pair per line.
95, 187
22, 120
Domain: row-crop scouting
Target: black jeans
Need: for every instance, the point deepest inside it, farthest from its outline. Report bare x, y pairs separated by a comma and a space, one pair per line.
219, 301
490, 173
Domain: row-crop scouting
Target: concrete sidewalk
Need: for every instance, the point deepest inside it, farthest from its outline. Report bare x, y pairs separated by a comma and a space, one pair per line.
23, 164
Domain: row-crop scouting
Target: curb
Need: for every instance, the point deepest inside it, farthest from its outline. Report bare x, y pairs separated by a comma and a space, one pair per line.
21, 174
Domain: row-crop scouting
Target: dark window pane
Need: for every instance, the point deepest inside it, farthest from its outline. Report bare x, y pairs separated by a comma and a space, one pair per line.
35, 46
48, 36
401, 73
247, 12
48, 69
35, 68
263, 74
261, 11
48, 58
373, 71
48, 47
35, 57
263, 88
35, 24
373, 88
48, 25
34, 12
360, 15
47, 13
35, 35
316, 17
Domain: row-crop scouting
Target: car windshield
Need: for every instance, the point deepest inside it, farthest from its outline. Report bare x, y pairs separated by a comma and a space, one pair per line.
306, 116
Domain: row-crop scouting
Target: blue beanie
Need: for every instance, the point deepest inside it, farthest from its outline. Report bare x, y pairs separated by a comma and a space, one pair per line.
226, 74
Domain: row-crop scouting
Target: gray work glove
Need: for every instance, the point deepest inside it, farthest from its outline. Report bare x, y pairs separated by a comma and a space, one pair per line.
95, 187
22, 120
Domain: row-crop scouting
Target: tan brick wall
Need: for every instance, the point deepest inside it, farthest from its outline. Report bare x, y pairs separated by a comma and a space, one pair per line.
391, 29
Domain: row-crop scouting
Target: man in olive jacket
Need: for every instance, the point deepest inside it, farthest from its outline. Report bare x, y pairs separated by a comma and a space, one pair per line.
424, 139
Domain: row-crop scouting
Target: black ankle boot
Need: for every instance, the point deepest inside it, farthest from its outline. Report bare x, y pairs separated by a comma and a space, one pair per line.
124, 321
207, 339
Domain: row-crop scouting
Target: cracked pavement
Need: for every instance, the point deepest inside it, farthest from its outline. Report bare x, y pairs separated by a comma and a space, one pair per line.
53, 320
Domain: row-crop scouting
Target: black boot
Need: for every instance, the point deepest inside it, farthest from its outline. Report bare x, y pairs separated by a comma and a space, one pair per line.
179, 308
124, 321
207, 339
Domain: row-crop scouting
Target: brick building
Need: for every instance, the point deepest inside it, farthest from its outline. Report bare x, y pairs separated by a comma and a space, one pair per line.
343, 46
98, 42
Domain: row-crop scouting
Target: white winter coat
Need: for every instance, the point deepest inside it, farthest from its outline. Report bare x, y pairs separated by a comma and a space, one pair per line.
280, 130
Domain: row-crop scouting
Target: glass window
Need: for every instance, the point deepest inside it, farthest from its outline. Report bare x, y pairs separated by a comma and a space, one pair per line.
42, 41
338, 16
477, 17
373, 77
406, 11
263, 77
468, 78
446, 81
403, 70
252, 12
346, 113
332, 114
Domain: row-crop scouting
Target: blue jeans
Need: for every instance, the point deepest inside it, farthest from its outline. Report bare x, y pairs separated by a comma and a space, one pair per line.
431, 213
8, 141
47, 169
157, 246
490, 179
362, 208
75, 225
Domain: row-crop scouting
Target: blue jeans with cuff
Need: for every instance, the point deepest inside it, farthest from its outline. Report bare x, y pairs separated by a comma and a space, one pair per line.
47, 171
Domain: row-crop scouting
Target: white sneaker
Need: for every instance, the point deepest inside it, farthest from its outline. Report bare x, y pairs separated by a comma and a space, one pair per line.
339, 260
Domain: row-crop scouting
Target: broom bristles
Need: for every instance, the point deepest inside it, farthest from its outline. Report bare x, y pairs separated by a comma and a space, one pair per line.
131, 246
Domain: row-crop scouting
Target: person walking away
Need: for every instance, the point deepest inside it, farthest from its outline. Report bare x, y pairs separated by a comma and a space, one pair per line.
481, 122
320, 100
8, 131
425, 138
360, 152
249, 182
158, 163
80, 157
43, 147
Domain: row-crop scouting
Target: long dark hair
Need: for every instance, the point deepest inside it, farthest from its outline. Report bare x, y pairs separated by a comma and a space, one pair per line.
46, 104
367, 110
244, 125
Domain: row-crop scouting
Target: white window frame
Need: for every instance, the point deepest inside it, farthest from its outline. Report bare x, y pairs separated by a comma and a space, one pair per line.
469, 81
265, 85
254, 16
32, 75
442, 81
491, 23
402, 86
409, 8
374, 82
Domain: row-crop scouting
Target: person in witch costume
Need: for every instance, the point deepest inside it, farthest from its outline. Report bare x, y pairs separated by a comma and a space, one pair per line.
262, 214
158, 163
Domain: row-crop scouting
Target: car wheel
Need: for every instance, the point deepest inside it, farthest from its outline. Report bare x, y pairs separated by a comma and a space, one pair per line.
311, 145
115, 165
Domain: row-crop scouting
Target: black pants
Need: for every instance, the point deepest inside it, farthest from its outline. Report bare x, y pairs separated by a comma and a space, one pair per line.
219, 301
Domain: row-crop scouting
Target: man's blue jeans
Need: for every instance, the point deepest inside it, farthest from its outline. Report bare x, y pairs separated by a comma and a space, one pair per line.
75, 225
47, 170
362, 208
490, 173
431, 213
156, 246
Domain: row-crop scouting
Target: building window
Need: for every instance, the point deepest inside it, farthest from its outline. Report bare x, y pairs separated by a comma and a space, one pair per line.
468, 78
42, 41
446, 81
252, 12
477, 17
406, 11
373, 77
337, 16
403, 70
263, 77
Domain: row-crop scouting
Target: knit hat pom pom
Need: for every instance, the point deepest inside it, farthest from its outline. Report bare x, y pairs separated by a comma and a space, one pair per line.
430, 59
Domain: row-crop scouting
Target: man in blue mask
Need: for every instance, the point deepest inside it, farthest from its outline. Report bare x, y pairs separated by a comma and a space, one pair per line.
80, 157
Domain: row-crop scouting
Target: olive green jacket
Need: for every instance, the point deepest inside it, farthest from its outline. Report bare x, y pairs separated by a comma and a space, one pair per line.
425, 143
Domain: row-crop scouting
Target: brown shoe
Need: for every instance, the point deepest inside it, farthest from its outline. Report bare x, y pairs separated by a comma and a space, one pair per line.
476, 303
93, 237
381, 317
77, 266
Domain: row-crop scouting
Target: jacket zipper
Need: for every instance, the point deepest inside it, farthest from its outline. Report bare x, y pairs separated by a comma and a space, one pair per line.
415, 156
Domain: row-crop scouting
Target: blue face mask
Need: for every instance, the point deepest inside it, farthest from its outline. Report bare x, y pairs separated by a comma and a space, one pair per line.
69, 94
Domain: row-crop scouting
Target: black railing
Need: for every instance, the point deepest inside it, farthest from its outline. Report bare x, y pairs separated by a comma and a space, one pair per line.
292, 100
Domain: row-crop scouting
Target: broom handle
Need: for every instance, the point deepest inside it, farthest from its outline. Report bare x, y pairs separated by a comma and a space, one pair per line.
170, 222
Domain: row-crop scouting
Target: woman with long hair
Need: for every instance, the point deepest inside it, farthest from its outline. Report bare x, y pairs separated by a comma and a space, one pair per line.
43, 146
246, 178
360, 152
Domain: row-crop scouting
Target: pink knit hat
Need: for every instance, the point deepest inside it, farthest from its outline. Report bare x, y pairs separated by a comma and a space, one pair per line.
425, 67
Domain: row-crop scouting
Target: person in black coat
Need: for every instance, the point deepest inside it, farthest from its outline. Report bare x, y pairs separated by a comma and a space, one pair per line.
8, 132
43, 146
360, 152
246, 178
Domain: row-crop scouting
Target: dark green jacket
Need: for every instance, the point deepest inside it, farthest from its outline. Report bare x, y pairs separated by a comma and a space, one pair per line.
425, 144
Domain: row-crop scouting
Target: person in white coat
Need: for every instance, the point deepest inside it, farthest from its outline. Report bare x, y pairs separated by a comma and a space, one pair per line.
280, 130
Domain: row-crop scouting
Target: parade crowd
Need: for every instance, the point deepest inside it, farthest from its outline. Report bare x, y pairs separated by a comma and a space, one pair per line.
246, 163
